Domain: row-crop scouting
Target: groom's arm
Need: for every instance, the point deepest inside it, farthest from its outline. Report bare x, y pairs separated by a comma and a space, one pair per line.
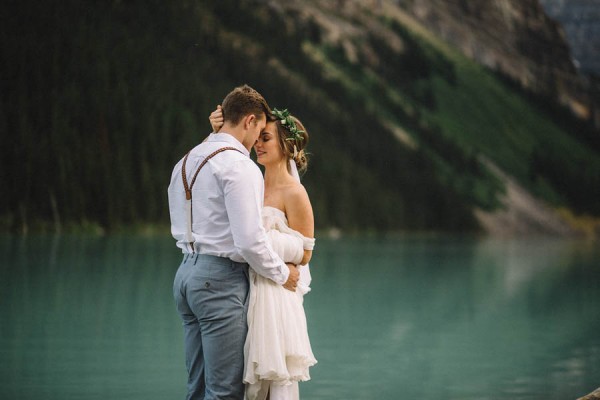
243, 192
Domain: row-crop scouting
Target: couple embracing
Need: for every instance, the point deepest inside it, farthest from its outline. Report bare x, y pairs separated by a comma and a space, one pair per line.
246, 243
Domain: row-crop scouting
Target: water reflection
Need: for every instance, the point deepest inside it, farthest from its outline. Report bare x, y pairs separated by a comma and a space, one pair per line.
467, 318
86, 317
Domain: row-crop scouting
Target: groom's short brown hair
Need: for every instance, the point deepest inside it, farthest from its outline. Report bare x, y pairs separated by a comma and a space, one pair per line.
242, 101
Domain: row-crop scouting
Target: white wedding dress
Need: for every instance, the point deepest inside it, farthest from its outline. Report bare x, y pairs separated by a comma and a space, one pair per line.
277, 350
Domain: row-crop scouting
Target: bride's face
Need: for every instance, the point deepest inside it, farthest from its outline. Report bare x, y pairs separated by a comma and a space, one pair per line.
267, 148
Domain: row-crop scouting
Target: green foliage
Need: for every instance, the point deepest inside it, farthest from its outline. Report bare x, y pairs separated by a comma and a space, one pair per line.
101, 100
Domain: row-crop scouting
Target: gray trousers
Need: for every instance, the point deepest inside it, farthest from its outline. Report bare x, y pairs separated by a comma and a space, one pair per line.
211, 295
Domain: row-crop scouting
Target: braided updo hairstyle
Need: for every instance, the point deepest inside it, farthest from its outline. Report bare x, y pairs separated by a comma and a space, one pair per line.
287, 146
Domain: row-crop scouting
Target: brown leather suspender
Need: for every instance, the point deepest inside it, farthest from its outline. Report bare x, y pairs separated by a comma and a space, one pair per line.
188, 189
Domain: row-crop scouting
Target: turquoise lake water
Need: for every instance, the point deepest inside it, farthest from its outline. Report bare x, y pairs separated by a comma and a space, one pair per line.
395, 318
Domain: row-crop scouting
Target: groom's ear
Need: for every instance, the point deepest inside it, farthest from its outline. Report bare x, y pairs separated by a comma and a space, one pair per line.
248, 120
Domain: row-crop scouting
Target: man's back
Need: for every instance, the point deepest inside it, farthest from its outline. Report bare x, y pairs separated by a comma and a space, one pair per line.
210, 224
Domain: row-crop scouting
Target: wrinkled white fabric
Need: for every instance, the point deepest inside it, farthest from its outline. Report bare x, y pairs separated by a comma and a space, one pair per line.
277, 347
288, 243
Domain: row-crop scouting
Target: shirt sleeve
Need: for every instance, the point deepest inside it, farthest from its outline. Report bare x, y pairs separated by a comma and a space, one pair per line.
243, 191
176, 197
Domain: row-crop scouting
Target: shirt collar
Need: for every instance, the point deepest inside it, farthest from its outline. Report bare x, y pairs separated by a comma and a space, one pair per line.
230, 140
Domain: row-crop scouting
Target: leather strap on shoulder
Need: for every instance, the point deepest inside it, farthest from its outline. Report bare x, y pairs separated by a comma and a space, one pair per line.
188, 188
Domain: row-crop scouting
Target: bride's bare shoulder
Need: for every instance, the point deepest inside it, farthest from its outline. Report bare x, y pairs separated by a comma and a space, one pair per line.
296, 198
295, 191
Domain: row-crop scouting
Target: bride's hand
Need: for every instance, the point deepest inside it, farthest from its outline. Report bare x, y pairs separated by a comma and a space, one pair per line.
216, 119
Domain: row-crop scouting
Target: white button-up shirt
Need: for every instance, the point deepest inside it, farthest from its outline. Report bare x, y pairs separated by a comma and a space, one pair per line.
227, 201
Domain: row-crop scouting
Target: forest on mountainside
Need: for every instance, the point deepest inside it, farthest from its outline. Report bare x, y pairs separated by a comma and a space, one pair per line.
100, 100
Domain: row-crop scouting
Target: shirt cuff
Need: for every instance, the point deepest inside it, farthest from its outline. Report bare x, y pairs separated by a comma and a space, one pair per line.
285, 274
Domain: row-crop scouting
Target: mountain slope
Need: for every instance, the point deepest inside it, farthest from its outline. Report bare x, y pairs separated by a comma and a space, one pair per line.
406, 133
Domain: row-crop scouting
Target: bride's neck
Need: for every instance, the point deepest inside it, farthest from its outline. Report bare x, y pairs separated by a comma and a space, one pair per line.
276, 174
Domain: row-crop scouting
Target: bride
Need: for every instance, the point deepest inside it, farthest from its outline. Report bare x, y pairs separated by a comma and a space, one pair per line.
277, 350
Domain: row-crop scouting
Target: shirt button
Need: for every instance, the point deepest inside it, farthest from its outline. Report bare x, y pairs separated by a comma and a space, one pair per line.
207, 284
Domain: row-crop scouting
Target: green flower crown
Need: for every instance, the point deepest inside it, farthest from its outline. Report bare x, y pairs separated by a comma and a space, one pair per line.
288, 122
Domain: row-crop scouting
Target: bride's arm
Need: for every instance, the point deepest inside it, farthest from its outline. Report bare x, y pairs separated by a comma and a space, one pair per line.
216, 119
300, 215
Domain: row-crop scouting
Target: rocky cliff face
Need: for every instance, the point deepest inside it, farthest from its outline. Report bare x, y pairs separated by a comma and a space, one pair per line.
514, 37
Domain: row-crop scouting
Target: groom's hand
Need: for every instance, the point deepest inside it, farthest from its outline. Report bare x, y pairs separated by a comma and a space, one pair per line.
292, 281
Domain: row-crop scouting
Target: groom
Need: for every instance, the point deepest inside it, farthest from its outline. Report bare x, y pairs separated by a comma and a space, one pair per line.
215, 209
